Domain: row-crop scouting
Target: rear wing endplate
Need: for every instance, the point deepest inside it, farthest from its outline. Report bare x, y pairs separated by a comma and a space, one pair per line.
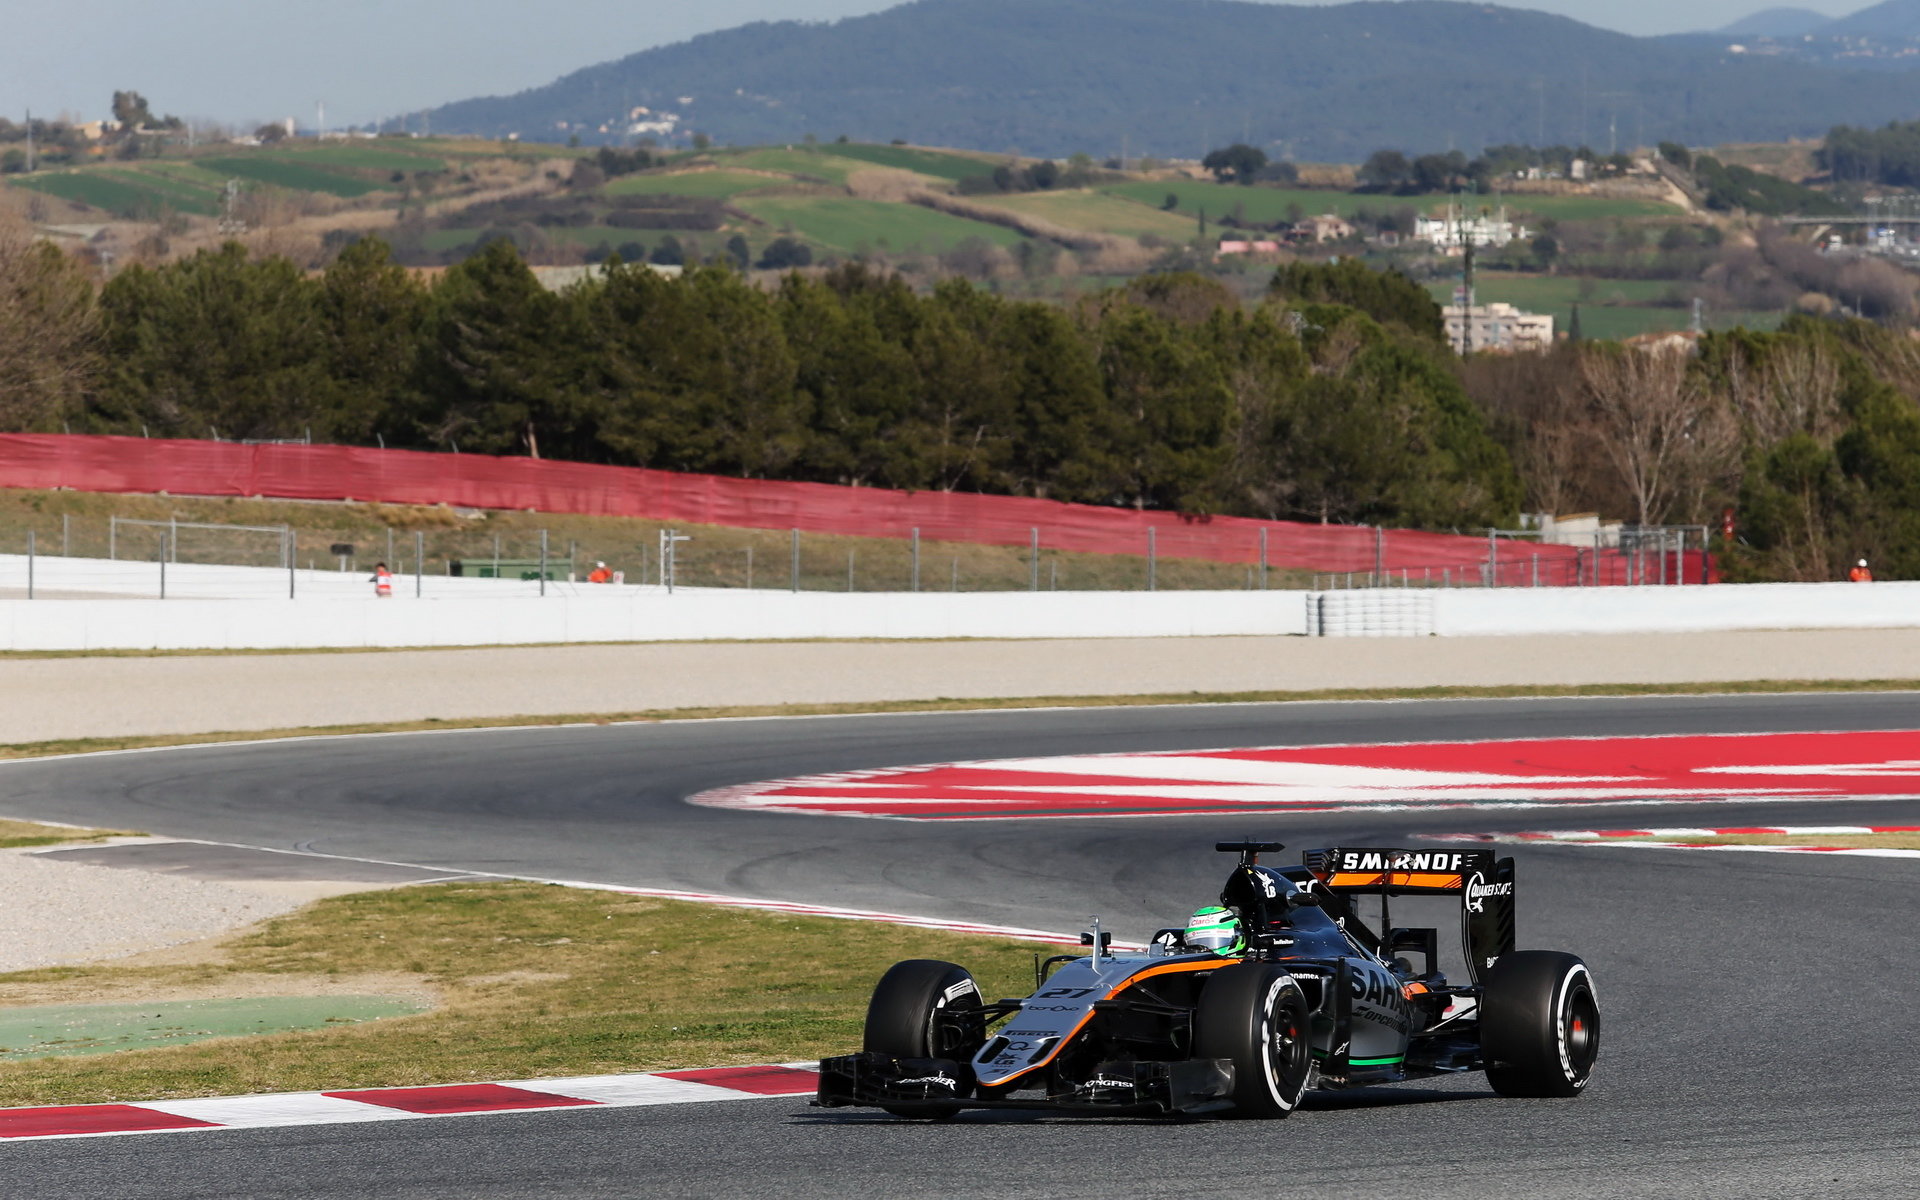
1483, 883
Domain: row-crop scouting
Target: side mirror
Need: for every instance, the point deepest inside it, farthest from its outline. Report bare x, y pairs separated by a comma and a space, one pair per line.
1304, 900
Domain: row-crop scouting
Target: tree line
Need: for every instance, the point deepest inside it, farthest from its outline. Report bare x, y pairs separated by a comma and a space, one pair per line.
1334, 400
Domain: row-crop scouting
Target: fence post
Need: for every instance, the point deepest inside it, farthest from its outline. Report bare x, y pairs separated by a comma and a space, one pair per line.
1536, 568
287, 541
953, 584
419, 560
173, 535
795, 585
916, 558
29, 564
749, 568
543, 557
163, 566
1151, 559
1379, 550
113, 537
1263, 559
850, 554
66, 544
1033, 558
1493, 559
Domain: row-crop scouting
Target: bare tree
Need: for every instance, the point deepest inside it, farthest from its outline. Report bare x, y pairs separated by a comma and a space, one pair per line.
1796, 390
1670, 440
48, 322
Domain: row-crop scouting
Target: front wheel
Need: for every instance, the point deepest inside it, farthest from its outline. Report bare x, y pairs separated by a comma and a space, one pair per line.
1255, 1016
923, 1008
1539, 1024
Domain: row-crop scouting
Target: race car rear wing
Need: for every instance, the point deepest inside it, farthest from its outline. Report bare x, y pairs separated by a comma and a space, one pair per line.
1483, 883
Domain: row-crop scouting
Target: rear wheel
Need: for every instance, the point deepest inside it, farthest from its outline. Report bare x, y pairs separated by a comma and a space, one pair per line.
1539, 1024
1255, 1016
923, 1008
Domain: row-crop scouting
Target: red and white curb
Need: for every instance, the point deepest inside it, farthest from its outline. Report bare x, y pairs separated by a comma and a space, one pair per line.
1688, 838
1533, 773
400, 1104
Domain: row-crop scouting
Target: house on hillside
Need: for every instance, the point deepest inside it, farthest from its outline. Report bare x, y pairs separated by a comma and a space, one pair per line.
1323, 228
1678, 341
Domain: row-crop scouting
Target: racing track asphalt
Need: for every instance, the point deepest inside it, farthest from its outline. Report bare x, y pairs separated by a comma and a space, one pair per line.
1757, 1039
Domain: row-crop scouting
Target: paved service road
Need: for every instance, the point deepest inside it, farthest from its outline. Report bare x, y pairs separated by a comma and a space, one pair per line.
1757, 1006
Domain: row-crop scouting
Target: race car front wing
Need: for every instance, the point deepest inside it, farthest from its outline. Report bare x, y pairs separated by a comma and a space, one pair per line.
1197, 1085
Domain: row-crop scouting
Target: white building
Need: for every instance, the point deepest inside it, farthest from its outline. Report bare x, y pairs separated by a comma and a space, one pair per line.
1474, 327
1456, 230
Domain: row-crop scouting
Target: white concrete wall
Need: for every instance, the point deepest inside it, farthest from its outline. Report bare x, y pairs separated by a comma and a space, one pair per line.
1468, 611
1481, 612
637, 615
87, 604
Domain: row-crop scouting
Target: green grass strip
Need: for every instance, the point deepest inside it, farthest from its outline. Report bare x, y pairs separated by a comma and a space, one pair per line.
532, 980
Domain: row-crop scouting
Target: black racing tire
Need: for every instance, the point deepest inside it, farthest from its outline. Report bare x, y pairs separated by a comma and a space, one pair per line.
1256, 1017
924, 1008
1539, 1024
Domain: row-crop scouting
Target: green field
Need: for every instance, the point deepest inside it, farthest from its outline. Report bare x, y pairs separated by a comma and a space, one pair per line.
177, 192
1610, 309
1097, 212
1577, 208
940, 164
100, 191
707, 241
294, 175
186, 171
819, 164
717, 185
849, 225
1265, 205
1547, 292
365, 156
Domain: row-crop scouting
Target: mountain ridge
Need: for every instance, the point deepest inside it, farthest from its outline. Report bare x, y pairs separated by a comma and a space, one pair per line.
1176, 77
1776, 22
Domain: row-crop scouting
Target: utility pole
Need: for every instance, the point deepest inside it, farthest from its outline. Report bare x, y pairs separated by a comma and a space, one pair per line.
29, 141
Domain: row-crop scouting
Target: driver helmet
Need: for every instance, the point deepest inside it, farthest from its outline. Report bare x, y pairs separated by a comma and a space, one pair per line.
1216, 929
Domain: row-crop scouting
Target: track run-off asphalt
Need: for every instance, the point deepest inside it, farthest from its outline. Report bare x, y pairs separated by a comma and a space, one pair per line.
1754, 1004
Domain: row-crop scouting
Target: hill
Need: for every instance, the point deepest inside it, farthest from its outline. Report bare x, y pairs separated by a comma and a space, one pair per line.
1776, 23
1175, 77
1890, 19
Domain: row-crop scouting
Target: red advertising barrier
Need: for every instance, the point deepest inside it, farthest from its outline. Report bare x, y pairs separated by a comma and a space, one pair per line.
307, 472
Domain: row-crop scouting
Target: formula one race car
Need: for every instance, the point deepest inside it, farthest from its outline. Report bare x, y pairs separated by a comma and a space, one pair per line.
1282, 989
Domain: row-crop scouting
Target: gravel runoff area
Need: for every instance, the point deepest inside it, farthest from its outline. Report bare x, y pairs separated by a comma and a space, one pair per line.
69, 913
50, 698
61, 913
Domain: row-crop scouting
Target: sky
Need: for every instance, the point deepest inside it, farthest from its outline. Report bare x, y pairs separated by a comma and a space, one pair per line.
241, 62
